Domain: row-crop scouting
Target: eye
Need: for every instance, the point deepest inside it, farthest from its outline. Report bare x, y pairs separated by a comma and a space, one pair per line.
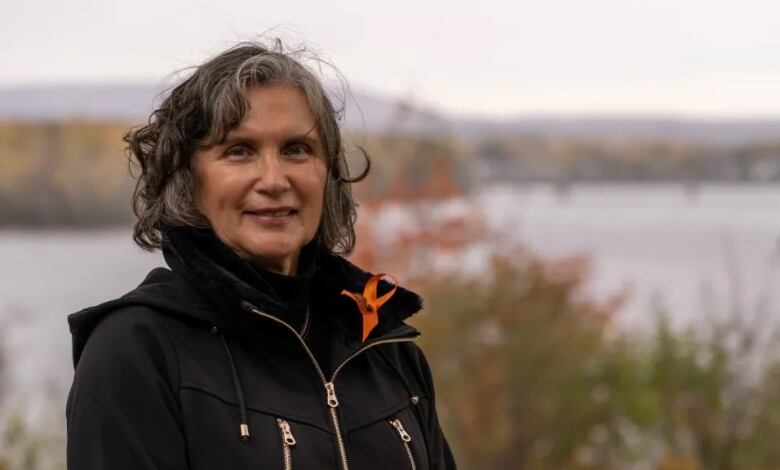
297, 149
237, 152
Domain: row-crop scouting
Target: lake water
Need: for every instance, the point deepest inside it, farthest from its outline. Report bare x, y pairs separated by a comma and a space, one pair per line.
718, 244
702, 251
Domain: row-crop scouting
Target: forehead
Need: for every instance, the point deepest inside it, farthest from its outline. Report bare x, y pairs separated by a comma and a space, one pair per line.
277, 108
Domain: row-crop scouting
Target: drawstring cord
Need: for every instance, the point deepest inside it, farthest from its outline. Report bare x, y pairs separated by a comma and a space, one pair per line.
244, 426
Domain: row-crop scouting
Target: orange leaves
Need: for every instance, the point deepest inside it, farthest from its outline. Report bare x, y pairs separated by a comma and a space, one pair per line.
420, 240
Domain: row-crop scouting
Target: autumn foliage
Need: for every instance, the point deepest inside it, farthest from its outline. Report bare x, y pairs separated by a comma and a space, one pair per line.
532, 372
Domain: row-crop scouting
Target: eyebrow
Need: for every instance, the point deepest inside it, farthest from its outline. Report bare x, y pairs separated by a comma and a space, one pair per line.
237, 135
305, 137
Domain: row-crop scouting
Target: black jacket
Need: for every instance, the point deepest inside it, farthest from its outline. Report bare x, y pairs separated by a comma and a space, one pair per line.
176, 373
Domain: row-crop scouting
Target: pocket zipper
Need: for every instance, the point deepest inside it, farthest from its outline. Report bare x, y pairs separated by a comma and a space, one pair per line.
288, 441
405, 438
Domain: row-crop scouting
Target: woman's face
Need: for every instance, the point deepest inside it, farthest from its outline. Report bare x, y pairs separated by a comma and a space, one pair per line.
262, 189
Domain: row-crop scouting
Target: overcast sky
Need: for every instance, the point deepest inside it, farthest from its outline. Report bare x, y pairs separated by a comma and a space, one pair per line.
715, 58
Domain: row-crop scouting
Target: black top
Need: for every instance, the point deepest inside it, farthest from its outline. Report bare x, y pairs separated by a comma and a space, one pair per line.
294, 291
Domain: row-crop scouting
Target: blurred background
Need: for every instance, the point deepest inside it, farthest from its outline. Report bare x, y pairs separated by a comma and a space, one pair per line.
586, 194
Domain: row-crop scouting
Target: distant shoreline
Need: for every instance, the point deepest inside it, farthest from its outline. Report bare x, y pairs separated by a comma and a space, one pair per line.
563, 192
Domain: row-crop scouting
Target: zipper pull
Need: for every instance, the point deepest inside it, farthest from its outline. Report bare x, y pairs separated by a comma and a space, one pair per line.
287, 435
401, 431
331, 394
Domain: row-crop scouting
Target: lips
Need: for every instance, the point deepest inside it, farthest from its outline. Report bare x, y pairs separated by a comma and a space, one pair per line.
273, 214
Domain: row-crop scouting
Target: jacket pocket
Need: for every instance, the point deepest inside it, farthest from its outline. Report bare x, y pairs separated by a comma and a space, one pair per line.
288, 442
213, 438
406, 440
391, 440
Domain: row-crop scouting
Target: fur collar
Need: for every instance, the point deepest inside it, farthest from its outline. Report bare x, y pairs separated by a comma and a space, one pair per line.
200, 256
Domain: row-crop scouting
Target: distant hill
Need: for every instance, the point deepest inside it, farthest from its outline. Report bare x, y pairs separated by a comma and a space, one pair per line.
375, 113
96, 102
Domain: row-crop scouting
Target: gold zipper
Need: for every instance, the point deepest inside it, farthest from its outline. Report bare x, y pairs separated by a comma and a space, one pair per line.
405, 439
330, 389
288, 440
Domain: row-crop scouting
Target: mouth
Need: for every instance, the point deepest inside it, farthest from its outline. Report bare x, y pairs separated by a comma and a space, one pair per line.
277, 215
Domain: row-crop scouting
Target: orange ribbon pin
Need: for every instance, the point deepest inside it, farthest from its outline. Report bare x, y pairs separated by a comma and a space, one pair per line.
369, 303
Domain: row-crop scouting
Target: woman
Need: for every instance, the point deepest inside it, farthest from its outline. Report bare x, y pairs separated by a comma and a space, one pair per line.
260, 347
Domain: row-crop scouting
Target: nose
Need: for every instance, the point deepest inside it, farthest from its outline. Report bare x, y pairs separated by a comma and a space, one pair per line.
272, 177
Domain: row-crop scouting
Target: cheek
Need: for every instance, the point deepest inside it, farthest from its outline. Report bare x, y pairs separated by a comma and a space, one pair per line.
318, 191
313, 193
206, 197
198, 191
201, 182
216, 193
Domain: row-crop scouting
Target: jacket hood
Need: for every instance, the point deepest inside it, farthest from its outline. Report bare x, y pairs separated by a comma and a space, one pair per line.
162, 290
184, 292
